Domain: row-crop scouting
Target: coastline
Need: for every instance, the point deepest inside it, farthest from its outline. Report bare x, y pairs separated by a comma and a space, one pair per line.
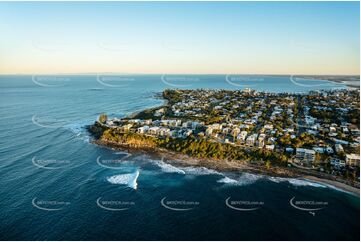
335, 185
224, 165
336, 79
182, 160
136, 113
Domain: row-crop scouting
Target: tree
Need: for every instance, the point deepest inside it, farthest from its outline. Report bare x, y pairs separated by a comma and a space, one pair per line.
103, 118
268, 165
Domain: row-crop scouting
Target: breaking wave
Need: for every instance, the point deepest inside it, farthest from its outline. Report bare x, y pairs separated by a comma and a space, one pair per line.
243, 180
297, 182
199, 171
277, 179
305, 182
165, 167
188, 170
129, 179
227, 180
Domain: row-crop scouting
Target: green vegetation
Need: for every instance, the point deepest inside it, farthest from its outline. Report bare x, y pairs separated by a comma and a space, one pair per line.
103, 118
199, 148
304, 140
210, 124
148, 113
354, 117
172, 95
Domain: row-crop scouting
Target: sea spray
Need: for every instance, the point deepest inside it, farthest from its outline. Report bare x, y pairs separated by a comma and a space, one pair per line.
129, 179
243, 180
296, 182
167, 168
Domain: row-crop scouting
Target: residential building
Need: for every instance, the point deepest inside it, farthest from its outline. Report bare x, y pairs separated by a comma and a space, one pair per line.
352, 160
305, 154
143, 129
338, 148
251, 140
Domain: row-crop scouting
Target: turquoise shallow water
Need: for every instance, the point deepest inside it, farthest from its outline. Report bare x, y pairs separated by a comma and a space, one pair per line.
56, 185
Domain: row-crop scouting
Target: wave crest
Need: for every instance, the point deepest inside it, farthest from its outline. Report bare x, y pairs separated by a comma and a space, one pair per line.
200, 171
297, 182
188, 170
243, 180
129, 179
167, 168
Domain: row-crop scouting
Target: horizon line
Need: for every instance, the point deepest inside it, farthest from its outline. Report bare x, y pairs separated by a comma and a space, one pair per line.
122, 73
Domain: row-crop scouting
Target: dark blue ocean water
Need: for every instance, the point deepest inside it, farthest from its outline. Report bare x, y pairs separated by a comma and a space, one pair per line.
56, 185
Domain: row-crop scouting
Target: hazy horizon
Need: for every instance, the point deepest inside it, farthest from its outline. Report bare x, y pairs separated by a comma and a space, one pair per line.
250, 38
195, 74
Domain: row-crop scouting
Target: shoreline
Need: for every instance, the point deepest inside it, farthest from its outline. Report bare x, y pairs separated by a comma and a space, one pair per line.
335, 79
134, 114
226, 165
182, 160
335, 185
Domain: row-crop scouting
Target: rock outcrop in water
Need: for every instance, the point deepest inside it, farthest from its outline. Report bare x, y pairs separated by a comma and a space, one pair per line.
97, 129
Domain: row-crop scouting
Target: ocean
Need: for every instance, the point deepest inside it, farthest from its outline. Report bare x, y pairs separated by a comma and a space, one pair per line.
57, 185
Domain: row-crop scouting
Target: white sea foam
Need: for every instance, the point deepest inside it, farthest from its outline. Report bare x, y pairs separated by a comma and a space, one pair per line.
297, 182
337, 189
121, 153
324, 185
167, 168
129, 179
243, 180
200, 171
301, 182
190, 170
227, 180
305, 182
277, 179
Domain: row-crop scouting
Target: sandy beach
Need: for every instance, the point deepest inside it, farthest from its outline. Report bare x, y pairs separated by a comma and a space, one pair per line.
336, 184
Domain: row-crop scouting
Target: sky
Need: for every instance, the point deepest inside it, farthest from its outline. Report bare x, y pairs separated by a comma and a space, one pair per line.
180, 37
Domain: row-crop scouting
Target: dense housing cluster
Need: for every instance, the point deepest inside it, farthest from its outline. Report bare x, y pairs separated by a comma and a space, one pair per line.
317, 130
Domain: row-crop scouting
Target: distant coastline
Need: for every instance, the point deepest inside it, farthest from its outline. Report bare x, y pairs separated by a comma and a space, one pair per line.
350, 81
